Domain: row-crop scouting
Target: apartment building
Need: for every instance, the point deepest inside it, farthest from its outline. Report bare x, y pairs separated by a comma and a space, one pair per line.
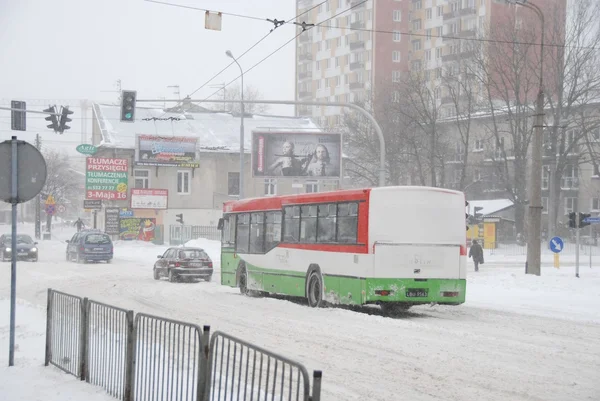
377, 41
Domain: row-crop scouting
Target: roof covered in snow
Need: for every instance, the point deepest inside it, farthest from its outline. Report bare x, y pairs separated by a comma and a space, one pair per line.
217, 131
489, 206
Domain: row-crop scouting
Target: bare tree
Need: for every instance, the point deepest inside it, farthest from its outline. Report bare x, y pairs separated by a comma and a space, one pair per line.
250, 93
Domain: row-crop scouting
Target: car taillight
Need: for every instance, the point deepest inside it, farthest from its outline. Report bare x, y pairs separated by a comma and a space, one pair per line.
82, 248
210, 264
177, 264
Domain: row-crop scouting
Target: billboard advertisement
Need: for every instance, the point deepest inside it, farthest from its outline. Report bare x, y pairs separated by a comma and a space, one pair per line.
111, 221
296, 154
149, 198
137, 228
167, 151
106, 178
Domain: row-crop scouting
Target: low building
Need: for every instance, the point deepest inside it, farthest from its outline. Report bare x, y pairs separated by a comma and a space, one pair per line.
200, 175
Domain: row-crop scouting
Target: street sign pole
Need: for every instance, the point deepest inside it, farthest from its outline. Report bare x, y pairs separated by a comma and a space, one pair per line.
13, 246
577, 250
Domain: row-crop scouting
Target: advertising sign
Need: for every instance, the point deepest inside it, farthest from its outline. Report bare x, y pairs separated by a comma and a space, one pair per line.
85, 149
106, 178
111, 221
126, 213
296, 154
149, 198
179, 151
137, 228
95, 204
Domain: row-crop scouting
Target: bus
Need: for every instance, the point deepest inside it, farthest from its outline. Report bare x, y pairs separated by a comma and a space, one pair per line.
390, 246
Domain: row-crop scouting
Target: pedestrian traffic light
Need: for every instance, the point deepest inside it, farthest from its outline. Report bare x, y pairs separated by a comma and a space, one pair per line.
582, 217
179, 218
128, 99
572, 220
52, 118
64, 119
476, 213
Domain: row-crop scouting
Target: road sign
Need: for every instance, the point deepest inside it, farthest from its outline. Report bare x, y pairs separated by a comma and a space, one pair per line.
592, 220
556, 244
50, 209
61, 209
93, 204
31, 172
50, 200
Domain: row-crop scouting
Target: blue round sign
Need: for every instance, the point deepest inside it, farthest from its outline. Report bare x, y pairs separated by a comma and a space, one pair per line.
556, 244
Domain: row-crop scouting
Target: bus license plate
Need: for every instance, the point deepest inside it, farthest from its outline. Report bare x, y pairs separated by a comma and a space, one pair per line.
416, 293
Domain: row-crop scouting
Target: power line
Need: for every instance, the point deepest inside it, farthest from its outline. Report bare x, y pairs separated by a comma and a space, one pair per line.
206, 10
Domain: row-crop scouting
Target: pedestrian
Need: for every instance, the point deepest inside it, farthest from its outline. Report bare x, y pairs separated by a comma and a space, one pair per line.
79, 223
477, 253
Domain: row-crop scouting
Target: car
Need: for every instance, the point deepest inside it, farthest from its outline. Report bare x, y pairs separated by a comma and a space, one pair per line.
90, 246
183, 262
26, 247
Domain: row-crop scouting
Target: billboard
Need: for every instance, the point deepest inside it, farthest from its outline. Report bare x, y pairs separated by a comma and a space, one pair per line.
168, 151
111, 221
149, 198
106, 178
136, 228
296, 154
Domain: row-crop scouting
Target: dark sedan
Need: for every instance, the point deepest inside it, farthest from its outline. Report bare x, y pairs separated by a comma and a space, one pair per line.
26, 248
189, 263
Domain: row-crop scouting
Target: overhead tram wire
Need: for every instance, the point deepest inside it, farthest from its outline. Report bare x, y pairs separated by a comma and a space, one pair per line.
305, 27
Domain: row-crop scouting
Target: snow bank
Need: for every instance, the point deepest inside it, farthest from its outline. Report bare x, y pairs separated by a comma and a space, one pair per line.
212, 247
29, 379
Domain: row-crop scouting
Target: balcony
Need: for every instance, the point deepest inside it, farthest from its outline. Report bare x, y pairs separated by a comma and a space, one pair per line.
356, 4
357, 25
357, 65
359, 44
304, 75
467, 11
467, 33
451, 15
356, 85
450, 57
304, 94
305, 57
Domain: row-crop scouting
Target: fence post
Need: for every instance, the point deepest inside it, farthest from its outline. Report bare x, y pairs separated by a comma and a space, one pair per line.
203, 371
83, 340
49, 312
316, 392
129, 358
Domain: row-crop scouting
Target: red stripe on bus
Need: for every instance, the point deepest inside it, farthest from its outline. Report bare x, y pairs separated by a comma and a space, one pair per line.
328, 248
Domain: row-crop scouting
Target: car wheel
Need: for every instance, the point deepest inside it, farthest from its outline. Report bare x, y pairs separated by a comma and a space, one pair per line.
172, 276
314, 290
35, 260
209, 279
156, 274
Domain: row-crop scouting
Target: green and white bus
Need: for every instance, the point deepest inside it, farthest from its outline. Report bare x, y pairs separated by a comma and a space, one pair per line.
391, 246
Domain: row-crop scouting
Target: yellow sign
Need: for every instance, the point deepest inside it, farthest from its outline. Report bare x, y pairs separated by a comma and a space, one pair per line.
556, 261
50, 200
489, 235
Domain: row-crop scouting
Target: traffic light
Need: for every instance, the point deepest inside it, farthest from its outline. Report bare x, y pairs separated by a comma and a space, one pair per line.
179, 218
52, 118
583, 216
17, 117
64, 119
572, 220
128, 99
477, 215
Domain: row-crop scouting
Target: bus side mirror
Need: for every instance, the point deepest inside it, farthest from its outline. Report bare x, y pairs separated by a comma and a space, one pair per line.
220, 224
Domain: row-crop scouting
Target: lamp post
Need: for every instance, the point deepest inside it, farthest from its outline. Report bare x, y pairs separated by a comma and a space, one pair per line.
241, 196
534, 246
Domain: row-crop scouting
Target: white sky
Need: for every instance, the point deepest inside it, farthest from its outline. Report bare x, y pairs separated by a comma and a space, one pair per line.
72, 49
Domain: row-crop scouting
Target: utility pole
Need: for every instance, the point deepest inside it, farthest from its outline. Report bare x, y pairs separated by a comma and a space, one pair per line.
38, 212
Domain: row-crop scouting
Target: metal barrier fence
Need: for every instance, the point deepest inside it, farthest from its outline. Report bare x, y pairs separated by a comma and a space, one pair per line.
180, 234
65, 332
153, 358
242, 371
521, 250
109, 346
170, 359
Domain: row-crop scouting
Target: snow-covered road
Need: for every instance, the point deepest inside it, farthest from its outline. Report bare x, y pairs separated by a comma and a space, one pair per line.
516, 338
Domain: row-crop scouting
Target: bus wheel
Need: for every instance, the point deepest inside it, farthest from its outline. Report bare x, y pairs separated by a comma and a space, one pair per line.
394, 309
314, 290
243, 281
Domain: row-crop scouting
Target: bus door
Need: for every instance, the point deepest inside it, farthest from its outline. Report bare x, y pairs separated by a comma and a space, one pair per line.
414, 261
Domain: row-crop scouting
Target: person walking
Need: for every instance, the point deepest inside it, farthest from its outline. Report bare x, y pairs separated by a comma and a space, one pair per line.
477, 253
79, 223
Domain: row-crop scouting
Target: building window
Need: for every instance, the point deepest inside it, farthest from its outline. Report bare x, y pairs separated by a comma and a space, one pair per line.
233, 184
141, 178
270, 186
428, 54
570, 177
312, 187
395, 76
396, 56
595, 204
428, 13
397, 36
183, 182
570, 205
416, 45
428, 34
416, 25
478, 144
544, 205
397, 15
440, 11
545, 176
438, 52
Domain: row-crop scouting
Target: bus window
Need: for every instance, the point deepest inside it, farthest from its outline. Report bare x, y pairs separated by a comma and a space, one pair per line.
228, 230
291, 226
243, 233
308, 223
347, 223
326, 223
257, 232
273, 230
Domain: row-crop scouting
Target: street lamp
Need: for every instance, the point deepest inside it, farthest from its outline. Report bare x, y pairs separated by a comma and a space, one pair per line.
534, 247
241, 196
